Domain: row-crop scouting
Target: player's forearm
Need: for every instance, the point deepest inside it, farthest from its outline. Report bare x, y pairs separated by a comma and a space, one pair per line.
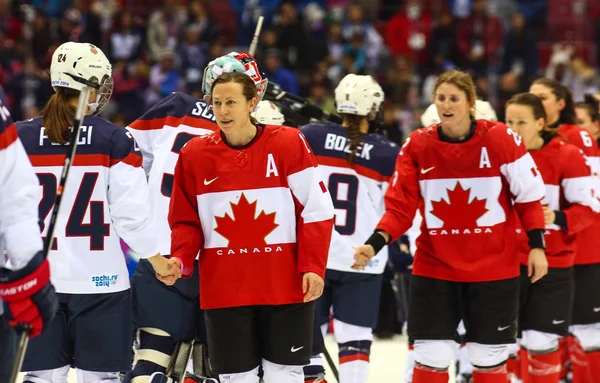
19, 198
531, 215
576, 218
186, 242
313, 246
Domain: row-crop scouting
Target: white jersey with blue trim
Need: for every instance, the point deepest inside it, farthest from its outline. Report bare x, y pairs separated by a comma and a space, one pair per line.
356, 189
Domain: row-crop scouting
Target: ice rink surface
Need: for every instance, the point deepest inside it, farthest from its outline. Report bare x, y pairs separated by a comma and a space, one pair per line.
388, 360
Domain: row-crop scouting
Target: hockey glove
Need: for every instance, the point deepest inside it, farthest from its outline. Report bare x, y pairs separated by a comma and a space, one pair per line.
30, 301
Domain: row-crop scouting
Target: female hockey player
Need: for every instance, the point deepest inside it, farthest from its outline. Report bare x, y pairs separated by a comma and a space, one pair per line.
25, 308
357, 166
558, 103
250, 199
463, 175
586, 309
105, 199
161, 133
588, 115
569, 207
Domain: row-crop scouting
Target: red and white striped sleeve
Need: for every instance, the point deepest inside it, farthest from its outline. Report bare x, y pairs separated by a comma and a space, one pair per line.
314, 207
524, 180
20, 195
578, 188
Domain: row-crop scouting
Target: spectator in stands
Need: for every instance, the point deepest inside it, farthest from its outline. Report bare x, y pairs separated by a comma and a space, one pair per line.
164, 78
534, 11
193, 55
520, 60
278, 74
199, 16
408, 32
126, 40
164, 28
479, 37
442, 45
320, 94
372, 39
293, 39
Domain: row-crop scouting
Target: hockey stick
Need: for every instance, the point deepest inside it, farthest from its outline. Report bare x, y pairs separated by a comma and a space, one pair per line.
254, 42
49, 240
332, 366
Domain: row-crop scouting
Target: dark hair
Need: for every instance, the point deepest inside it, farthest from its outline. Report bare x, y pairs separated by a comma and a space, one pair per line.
561, 92
591, 105
353, 134
535, 104
461, 80
58, 113
248, 86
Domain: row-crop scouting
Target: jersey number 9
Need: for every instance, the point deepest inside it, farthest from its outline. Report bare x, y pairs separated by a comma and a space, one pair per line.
344, 193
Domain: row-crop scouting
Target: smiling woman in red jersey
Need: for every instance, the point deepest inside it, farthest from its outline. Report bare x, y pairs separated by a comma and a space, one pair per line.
569, 207
249, 198
469, 179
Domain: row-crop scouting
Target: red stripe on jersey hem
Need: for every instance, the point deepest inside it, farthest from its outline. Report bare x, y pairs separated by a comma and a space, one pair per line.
8, 136
362, 170
80, 160
160, 123
132, 160
354, 358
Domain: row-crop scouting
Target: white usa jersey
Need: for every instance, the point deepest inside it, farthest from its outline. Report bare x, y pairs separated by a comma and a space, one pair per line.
356, 189
105, 199
161, 133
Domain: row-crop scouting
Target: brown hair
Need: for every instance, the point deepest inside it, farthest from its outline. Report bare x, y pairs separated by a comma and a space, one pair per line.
353, 134
591, 106
462, 81
248, 86
561, 92
535, 104
57, 115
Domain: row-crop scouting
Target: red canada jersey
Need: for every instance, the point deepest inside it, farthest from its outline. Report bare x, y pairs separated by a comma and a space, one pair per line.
588, 240
569, 188
465, 193
260, 216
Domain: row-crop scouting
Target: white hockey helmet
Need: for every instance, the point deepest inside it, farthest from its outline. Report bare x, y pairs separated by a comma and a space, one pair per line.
234, 62
483, 111
76, 65
359, 95
267, 113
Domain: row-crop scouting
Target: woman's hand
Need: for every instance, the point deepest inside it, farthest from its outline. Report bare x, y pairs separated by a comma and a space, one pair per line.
549, 216
537, 265
362, 256
312, 286
167, 270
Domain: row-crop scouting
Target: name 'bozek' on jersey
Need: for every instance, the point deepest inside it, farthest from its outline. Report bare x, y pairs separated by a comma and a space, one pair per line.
341, 143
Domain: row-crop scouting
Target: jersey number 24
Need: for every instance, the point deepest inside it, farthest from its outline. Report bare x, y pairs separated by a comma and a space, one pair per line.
96, 229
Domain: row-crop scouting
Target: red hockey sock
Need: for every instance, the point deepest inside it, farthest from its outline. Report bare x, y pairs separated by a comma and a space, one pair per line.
524, 358
594, 363
563, 349
513, 366
490, 375
423, 374
579, 362
544, 368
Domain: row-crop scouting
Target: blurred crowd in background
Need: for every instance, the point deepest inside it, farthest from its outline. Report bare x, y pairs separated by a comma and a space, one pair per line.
306, 46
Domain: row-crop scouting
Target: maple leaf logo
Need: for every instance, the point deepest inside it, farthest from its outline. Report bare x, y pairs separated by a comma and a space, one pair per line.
459, 213
243, 230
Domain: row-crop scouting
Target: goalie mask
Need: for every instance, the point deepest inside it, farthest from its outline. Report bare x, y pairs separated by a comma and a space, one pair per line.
359, 95
267, 113
234, 62
72, 61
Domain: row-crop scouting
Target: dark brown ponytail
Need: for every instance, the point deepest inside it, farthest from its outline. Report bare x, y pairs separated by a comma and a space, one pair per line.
353, 134
57, 115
